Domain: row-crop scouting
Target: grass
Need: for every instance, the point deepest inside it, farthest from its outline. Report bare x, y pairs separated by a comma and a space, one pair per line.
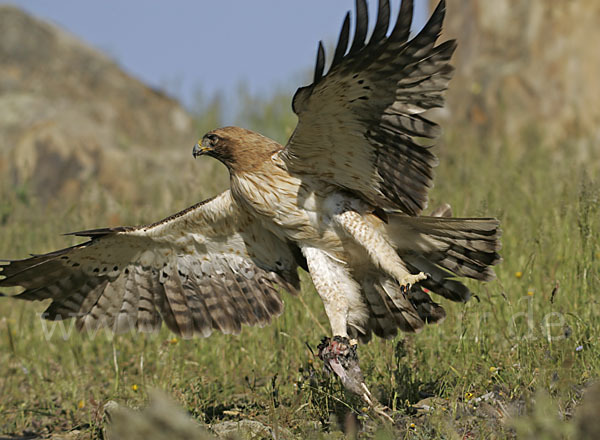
513, 361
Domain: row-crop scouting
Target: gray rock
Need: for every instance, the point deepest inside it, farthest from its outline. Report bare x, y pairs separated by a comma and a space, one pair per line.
247, 430
74, 125
161, 420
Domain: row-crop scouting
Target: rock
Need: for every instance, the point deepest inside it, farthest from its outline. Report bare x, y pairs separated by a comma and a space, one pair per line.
526, 65
73, 124
247, 429
165, 420
587, 416
161, 420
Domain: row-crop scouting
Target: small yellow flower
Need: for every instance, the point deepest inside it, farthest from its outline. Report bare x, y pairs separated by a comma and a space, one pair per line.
364, 409
493, 369
134, 387
530, 292
412, 426
80, 404
468, 396
174, 341
476, 88
519, 274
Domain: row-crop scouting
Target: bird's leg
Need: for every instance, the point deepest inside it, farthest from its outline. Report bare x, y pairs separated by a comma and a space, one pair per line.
341, 298
381, 252
340, 356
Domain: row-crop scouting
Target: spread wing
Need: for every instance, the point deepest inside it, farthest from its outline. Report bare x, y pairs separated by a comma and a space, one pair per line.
358, 124
208, 267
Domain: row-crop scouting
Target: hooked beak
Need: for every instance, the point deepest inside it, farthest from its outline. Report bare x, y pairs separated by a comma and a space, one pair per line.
199, 150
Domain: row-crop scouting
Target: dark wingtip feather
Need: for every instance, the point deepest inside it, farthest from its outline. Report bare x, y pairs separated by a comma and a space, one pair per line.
383, 21
401, 30
320, 63
362, 24
441, 6
99, 232
433, 27
342, 44
438, 14
450, 46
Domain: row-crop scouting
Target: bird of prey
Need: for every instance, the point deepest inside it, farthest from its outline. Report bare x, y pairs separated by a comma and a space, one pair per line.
343, 199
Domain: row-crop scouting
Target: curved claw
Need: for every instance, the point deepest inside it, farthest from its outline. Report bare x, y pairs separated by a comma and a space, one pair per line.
405, 288
409, 280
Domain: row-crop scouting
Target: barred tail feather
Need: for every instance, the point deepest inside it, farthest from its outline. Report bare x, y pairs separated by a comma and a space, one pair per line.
446, 248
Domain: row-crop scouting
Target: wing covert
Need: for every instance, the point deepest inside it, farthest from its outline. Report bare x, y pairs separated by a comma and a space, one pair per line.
209, 267
359, 125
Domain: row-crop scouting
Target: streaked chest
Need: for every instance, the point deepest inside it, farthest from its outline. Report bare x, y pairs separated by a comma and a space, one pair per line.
291, 207
268, 192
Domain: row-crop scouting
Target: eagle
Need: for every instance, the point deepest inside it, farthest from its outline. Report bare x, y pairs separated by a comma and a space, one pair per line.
343, 200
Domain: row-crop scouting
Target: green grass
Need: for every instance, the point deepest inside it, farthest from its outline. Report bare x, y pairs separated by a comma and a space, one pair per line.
530, 336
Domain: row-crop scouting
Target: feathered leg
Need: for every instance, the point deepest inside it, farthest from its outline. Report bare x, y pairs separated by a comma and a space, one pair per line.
343, 304
381, 252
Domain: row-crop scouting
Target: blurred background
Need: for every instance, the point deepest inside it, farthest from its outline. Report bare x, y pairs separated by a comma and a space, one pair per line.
101, 102
96, 97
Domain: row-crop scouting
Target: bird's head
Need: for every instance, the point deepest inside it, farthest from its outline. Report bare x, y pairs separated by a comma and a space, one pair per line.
239, 149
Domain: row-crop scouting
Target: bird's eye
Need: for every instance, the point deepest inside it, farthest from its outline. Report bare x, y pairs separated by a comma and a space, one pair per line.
213, 138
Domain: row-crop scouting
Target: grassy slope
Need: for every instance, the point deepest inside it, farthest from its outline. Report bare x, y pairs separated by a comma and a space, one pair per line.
512, 340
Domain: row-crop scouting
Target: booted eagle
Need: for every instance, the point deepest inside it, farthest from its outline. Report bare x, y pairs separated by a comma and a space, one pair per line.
343, 200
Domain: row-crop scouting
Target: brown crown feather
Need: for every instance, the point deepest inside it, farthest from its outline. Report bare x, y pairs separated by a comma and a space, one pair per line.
242, 150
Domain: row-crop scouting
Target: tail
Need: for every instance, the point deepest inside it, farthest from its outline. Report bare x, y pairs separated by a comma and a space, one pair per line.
443, 247
446, 247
